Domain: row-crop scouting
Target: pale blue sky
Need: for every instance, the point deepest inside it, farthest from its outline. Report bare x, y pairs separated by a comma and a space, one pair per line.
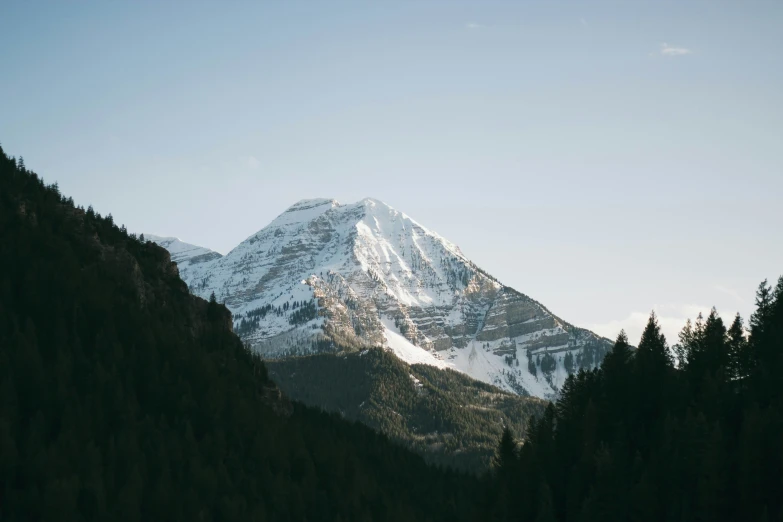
603, 157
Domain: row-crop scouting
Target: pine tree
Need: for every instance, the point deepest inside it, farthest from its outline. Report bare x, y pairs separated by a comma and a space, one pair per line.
653, 355
682, 348
760, 318
716, 351
616, 369
546, 510
707, 353
568, 363
505, 459
766, 341
739, 356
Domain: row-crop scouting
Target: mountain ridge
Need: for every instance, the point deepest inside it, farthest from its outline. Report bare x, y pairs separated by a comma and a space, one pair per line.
185, 255
360, 274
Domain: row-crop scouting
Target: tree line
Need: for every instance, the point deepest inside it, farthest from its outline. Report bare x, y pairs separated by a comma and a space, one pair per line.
659, 433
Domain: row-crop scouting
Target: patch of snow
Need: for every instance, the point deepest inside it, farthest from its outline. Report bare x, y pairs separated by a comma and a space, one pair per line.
406, 350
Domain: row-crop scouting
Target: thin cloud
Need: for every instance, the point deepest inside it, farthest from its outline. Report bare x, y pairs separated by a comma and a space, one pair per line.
583, 22
472, 26
671, 50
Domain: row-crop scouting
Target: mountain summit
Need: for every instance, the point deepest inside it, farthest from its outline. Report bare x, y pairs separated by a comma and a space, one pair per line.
324, 274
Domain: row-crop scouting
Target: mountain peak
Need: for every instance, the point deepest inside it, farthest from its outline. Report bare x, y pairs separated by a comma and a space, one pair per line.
304, 210
304, 204
179, 249
190, 259
364, 274
373, 202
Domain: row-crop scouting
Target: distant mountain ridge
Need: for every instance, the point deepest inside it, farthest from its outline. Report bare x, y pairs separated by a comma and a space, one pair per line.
184, 254
324, 274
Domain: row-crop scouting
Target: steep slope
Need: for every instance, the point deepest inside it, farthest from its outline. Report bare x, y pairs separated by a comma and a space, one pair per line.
124, 397
365, 274
444, 415
186, 256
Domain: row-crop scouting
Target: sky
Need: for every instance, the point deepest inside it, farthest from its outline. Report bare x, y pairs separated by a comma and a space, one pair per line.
605, 158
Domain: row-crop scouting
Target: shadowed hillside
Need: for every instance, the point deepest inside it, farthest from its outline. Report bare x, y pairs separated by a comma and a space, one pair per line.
123, 397
445, 415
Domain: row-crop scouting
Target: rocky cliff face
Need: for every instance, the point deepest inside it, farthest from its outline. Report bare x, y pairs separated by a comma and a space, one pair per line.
323, 275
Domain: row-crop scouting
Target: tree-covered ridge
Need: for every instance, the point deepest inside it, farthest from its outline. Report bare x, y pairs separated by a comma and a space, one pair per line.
446, 416
123, 397
692, 432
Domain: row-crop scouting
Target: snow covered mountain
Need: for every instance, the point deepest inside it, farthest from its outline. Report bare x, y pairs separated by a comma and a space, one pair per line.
184, 254
323, 275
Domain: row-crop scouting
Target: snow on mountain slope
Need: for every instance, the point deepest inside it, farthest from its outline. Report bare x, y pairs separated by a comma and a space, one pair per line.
324, 274
188, 257
406, 350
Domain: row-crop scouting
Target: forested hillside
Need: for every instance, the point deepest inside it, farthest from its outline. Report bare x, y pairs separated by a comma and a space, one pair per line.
123, 397
446, 416
689, 433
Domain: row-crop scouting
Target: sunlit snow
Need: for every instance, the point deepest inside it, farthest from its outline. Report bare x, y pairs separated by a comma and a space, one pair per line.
367, 258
